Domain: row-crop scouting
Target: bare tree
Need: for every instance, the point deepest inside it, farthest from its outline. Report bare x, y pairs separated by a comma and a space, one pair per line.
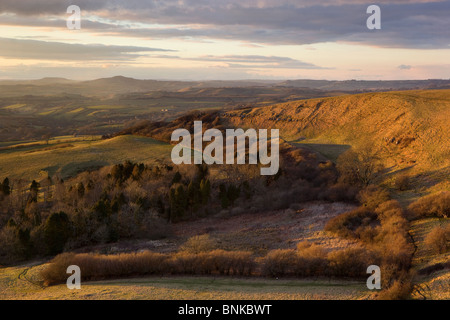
359, 166
46, 137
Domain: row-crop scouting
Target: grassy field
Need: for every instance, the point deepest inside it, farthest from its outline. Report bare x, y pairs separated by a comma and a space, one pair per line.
437, 284
328, 150
15, 284
68, 156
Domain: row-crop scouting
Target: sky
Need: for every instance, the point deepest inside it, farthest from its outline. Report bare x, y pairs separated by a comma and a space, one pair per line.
225, 40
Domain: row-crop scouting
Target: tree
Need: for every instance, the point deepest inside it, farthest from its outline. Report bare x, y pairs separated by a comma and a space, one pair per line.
176, 178
205, 190
193, 194
46, 137
223, 195
247, 189
46, 185
34, 190
102, 208
5, 188
56, 232
25, 245
80, 189
202, 171
359, 166
136, 174
178, 202
233, 193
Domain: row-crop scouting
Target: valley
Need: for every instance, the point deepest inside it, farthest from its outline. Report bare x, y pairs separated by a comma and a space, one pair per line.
102, 162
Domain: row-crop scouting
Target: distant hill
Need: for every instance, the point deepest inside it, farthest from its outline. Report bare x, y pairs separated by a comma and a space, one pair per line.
112, 86
122, 85
40, 82
360, 85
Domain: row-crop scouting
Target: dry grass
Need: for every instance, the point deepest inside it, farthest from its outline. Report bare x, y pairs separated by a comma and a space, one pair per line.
408, 130
180, 288
435, 285
263, 232
439, 240
437, 205
424, 255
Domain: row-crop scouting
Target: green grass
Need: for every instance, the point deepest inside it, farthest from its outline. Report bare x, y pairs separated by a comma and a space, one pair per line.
76, 110
35, 162
14, 106
328, 150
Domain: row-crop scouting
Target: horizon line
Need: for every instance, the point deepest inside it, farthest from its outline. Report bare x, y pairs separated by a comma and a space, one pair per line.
222, 80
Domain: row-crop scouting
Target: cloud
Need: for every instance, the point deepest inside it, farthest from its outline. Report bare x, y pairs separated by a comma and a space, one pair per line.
45, 50
258, 61
248, 61
45, 7
405, 24
404, 67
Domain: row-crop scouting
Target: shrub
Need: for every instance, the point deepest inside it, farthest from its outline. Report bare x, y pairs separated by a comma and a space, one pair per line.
348, 225
389, 209
396, 250
94, 266
279, 262
400, 289
438, 240
437, 205
197, 244
351, 262
312, 260
188, 263
339, 192
232, 262
55, 272
402, 182
372, 196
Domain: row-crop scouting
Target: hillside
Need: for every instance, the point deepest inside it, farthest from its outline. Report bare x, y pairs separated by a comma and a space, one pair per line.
122, 85
135, 207
408, 130
68, 156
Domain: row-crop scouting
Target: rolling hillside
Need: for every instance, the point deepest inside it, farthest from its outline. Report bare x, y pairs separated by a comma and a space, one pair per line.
68, 156
122, 85
408, 130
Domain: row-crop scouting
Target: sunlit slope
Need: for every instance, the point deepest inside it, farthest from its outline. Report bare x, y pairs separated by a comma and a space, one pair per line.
67, 159
408, 129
